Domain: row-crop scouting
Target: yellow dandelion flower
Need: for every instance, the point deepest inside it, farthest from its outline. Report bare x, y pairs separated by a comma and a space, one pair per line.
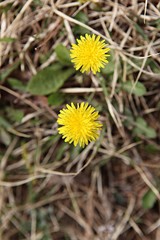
80, 124
89, 54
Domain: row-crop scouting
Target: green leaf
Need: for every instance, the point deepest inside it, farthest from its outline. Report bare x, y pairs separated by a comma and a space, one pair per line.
15, 115
140, 31
148, 199
142, 128
129, 119
16, 84
6, 8
44, 56
5, 137
153, 65
103, 85
7, 39
141, 123
79, 30
158, 24
82, 17
109, 67
4, 123
139, 89
49, 80
38, 2
150, 132
8, 71
56, 99
151, 148
63, 54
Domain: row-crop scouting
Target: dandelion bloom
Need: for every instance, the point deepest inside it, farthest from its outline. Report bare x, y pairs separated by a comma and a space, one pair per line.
89, 54
80, 124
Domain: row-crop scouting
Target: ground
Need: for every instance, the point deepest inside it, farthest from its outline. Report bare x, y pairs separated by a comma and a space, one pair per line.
50, 189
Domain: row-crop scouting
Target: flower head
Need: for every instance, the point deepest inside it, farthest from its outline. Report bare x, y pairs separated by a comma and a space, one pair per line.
80, 124
89, 54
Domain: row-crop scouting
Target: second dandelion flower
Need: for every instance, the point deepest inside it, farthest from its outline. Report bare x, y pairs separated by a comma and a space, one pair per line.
80, 124
89, 54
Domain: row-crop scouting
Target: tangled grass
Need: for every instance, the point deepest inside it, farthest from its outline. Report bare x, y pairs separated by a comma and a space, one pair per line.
50, 189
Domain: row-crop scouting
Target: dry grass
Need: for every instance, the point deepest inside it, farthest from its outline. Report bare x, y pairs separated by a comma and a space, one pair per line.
49, 189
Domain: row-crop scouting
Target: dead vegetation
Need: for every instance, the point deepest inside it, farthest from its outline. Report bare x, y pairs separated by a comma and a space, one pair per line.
110, 189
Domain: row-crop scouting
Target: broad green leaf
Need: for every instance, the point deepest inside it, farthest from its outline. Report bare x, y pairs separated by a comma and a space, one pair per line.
82, 17
141, 123
150, 132
16, 84
77, 29
56, 99
142, 128
49, 80
139, 89
63, 54
148, 199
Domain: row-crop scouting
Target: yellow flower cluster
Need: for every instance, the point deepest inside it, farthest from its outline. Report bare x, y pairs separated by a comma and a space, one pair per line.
79, 124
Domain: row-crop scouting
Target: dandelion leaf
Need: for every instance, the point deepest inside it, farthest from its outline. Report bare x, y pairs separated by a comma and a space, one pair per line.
63, 54
49, 80
148, 199
138, 90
